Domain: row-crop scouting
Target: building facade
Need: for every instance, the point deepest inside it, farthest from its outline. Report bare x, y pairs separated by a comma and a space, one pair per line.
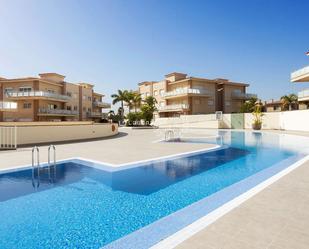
178, 95
302, 76
48, 98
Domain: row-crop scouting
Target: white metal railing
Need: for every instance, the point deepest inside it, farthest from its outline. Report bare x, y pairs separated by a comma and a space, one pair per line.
8, 137
300, 72
57, 111
182, 91
240, 95
102, 104
38, 94
303, 94
8, 105
173, 107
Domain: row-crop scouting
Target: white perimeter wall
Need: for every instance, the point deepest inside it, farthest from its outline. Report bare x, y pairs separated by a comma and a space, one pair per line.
289, 120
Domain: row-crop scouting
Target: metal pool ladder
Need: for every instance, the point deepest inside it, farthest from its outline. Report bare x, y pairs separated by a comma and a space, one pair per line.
52, 166
35, 165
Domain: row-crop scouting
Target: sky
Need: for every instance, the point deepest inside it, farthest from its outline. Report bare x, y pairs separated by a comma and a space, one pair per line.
115, 44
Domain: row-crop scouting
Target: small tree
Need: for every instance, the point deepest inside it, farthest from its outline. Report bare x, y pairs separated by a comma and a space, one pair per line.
148, 108
257, 117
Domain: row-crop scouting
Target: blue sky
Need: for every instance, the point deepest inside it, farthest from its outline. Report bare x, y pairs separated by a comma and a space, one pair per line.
116, 44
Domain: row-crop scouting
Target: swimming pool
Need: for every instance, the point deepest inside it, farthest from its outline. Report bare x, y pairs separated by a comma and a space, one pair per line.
81, 204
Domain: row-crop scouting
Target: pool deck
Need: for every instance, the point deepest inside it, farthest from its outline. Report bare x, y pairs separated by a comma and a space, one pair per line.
128, 146
275, 218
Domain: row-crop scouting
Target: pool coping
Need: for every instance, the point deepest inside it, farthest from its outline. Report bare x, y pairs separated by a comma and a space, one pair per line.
110, 167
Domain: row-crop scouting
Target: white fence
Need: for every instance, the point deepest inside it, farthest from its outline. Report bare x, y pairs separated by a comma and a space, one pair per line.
8, 137
289, 120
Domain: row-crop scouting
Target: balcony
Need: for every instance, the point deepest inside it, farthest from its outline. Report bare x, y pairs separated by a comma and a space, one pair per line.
56, 112
301, 75
243, 96
38, 95
95, 114
101, 104
174, 108
303, 95
8, 106
186, 92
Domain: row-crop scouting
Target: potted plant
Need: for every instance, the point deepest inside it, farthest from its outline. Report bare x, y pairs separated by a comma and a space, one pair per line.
257, 117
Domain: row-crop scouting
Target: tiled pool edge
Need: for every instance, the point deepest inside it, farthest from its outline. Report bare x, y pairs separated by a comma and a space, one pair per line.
173, 229
115, 167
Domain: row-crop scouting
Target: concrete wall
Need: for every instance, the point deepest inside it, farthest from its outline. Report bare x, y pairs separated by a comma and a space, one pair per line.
289, 120
58, 133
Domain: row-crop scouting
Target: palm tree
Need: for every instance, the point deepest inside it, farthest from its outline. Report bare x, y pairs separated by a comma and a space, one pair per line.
288, 101
136, 101
129, 98
121, 97
249, 105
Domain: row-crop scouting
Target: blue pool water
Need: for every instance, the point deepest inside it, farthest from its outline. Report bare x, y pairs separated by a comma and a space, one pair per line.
77, 206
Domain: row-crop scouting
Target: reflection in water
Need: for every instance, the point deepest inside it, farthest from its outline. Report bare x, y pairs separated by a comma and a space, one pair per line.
151, 178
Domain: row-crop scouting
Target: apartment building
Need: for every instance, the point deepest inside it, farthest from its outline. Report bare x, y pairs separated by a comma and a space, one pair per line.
273, 106
302, 76
49, 98
177, 94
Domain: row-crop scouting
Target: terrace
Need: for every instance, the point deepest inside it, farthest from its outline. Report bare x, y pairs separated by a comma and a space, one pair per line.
301, 75
186, 92
38, 95
56, 112
243, 96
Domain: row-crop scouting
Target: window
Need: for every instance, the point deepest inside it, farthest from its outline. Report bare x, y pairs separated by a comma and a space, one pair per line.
89, 98
155, 93
84, 109
50, 90
89, 109
162, 92
147, 95
69, 108
75, 108
25, 89
210, 102
69, 94
8, 90
27, 105
51, 106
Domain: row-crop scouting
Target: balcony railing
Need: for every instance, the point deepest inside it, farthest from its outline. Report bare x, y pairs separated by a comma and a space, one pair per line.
38, 94
303, 95
184, 91
297, 75
240, 95
8, 105
57, 112
95, 114
101, 104
173, 107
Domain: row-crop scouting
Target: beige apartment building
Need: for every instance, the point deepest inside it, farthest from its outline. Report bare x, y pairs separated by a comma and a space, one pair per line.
49, 98
302, 76
178, 94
